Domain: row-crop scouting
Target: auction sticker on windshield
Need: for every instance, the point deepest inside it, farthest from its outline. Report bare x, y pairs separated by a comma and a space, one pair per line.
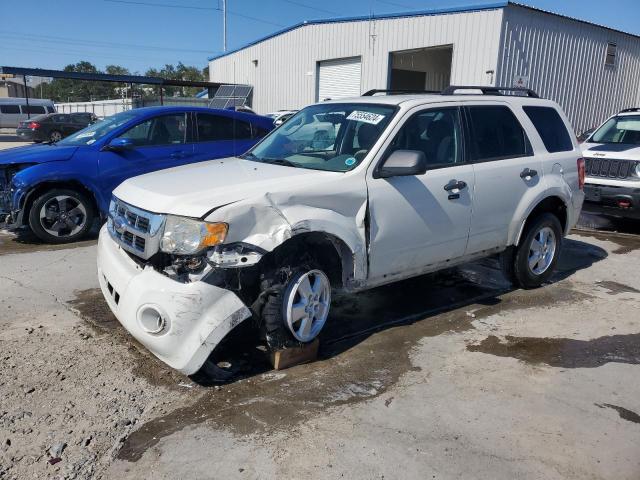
366, 117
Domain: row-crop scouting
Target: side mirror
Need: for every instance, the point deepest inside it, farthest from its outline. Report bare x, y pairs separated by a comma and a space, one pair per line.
403, 163
119, 145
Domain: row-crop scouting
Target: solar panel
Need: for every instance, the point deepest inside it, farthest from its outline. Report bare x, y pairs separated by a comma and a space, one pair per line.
231, 96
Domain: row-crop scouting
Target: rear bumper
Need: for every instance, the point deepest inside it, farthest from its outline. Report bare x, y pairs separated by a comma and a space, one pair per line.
612, 200
196, 316
27, 134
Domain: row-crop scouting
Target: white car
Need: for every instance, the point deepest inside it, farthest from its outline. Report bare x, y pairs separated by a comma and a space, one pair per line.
281, 116
612, 156
411, 184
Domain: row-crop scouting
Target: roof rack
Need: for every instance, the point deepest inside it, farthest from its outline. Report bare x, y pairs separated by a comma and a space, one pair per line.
371, 93
489, 90
628, 110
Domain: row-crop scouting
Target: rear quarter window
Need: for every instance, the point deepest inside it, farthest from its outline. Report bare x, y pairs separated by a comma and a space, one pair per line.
550, 127
496, 134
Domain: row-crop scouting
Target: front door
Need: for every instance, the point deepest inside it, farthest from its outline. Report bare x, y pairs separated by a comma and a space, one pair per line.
418, 221
158, 143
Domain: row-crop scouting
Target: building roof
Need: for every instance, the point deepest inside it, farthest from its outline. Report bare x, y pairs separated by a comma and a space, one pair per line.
420, 13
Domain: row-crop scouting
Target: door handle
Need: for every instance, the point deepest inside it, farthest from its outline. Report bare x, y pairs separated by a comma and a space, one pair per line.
528, 173
455, 185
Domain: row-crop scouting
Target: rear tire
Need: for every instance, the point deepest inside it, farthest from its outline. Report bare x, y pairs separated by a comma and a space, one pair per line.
55, 136
61, 215
534, 260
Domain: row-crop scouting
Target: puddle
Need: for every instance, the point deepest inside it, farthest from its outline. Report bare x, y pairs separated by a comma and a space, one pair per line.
625, 414
26, 242
564, 352
626, 243
615, 288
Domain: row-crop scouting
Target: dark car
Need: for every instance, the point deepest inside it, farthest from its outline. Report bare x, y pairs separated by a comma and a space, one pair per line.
53, 127
59, 189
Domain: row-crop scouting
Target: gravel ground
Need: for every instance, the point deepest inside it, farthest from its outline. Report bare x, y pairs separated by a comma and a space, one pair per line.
446, 376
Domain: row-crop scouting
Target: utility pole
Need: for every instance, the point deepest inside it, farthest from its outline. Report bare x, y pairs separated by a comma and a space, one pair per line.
224, 25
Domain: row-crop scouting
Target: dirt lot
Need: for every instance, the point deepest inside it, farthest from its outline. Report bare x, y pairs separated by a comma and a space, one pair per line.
446, 376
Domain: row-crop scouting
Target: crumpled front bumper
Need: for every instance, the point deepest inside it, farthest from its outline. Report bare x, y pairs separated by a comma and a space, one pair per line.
196, 316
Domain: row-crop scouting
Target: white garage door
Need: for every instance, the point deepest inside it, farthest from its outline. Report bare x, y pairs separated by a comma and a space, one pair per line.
339, 78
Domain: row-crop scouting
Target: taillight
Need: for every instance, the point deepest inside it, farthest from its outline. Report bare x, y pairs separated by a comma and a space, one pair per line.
581, 173
33, 125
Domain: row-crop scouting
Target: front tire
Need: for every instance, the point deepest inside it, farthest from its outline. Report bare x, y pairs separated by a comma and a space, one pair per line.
61, 215
535, 257
296, 306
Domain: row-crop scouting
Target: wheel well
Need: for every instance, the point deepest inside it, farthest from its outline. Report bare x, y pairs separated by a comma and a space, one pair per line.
553, 205
43, 187
331, 253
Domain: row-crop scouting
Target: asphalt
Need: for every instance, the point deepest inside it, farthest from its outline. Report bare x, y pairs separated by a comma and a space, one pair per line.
454, 375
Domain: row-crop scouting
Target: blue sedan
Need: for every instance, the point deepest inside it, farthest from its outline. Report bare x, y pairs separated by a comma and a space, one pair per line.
59, 189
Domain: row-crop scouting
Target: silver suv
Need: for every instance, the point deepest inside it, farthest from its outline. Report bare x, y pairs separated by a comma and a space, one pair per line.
612, 156
396, 186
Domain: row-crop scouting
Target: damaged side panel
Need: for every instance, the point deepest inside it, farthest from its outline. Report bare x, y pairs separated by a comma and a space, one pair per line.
337, 209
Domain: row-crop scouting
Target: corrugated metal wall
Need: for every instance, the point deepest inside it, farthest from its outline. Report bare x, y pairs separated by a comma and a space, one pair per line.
564, 60
285, 74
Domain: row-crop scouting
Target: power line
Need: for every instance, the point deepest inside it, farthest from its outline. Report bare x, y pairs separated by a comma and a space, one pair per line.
311, 8
192, 7
80, 42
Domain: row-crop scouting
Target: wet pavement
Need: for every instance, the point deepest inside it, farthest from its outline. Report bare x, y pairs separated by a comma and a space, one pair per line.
451, 375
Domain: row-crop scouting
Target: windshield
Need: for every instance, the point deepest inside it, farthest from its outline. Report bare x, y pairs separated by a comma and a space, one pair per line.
334, 137
95, 132
623, 129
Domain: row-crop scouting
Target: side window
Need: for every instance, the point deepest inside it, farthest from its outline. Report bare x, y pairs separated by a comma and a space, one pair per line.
60, 118
550, 127
259, 132
435, 132
9, 109
212, 128
50, 109
164, 130
496, 134
33, 109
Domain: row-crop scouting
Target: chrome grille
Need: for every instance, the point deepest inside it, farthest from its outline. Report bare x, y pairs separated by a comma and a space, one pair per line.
135, 230
609, 168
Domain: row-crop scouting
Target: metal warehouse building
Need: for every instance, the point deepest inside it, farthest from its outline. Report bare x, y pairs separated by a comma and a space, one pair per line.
591, 70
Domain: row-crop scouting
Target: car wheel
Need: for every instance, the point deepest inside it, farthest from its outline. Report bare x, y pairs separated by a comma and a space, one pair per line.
536, 255
297, 306
61, 216
55, 136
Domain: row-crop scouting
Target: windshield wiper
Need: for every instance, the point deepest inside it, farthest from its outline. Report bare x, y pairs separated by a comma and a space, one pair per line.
280, 161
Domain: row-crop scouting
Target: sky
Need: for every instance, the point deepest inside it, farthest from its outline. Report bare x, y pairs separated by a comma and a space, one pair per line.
139, 34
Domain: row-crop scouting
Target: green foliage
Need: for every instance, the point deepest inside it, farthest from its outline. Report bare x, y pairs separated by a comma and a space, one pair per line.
64, 90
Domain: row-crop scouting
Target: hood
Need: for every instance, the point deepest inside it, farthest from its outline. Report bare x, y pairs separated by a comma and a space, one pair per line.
194, 190
36, 154
616, 151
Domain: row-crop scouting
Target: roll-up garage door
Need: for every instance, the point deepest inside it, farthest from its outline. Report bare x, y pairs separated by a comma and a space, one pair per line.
339, 78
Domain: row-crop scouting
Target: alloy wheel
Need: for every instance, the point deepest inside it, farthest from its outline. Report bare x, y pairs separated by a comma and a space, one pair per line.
542, 250
63, 216
307, 302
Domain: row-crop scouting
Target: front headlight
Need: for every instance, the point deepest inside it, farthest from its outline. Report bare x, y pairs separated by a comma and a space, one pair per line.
186, 236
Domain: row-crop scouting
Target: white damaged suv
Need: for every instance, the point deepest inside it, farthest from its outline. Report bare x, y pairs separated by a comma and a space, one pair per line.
409, 184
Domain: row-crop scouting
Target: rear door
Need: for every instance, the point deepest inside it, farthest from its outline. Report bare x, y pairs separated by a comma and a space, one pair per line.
506, 171
159, 142
219, 136
418, 221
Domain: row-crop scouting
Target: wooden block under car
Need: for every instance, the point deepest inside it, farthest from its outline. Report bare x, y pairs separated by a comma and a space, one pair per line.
288, 357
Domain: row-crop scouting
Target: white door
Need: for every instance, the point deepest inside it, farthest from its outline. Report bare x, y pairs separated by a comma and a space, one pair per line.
505, 171
417, 221
339, 78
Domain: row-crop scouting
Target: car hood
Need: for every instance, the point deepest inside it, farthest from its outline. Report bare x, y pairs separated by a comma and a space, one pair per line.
194, 190
36, 154
611, 150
